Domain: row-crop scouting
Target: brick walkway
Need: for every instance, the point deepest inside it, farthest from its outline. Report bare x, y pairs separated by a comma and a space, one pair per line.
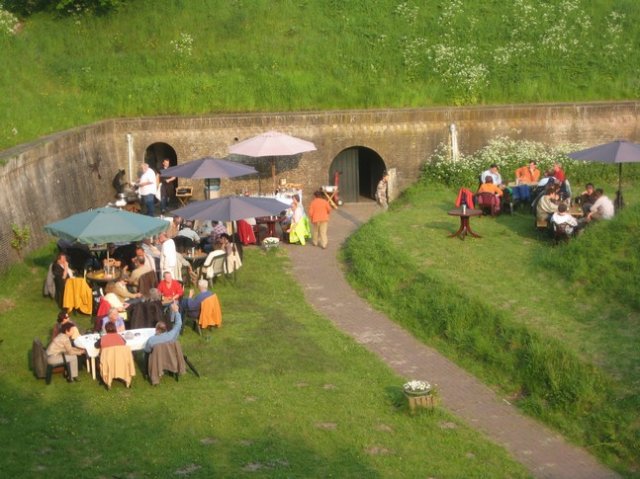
545, 453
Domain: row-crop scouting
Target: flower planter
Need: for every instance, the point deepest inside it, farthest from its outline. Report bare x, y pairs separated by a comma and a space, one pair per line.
424, 400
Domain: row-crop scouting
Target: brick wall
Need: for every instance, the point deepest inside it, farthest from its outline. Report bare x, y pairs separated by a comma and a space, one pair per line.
71, 171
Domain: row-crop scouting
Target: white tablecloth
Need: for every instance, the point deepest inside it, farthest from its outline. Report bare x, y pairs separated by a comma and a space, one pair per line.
136, 339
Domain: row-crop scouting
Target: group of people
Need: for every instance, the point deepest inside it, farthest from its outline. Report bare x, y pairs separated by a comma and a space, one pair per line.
152, 186
550, 193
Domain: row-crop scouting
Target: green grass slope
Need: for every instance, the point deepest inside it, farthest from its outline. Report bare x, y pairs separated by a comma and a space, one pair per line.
555, 330
169, 57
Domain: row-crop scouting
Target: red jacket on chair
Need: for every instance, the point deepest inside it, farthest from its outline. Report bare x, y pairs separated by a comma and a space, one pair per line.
468, 197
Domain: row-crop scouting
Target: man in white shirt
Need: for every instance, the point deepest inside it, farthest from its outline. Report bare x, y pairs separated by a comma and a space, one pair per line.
562, 217
147, 189
168, 256
602, 208
493, 173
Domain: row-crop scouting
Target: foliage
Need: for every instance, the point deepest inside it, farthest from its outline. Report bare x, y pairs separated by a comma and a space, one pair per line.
273, 399
274, 56
66, 7
8, 22
20, 238
510, 154
558, 343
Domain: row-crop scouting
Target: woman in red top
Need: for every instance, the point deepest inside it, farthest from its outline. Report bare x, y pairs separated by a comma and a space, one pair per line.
112, 338
558, 173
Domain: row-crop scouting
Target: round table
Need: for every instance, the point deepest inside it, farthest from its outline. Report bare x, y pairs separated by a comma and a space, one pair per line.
465, 227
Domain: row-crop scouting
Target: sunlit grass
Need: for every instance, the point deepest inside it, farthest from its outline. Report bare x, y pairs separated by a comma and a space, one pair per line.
508, 306
287, 55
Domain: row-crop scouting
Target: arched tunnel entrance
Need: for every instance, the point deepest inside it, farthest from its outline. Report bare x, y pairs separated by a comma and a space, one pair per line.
156, 152
359, 169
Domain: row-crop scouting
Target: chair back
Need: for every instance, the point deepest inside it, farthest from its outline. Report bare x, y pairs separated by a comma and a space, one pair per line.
165, 357
146, 282
38, 359
117, 362
489, 201
183, 243
210, 312
214, 265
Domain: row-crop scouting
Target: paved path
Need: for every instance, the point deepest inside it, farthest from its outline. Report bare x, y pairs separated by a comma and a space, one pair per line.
545, 453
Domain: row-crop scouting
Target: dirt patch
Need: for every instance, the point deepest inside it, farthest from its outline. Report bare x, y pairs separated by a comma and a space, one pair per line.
329, 426
208, 441
189, 469
384, 428
328, 386
6, 305
447, 425
377, 451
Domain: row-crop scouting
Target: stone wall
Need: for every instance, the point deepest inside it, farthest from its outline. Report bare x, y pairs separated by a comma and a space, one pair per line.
61, 174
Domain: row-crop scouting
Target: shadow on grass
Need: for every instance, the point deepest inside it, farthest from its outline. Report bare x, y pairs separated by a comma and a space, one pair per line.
52, 427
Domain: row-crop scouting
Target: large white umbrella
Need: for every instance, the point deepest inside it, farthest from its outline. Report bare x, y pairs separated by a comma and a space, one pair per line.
272, 144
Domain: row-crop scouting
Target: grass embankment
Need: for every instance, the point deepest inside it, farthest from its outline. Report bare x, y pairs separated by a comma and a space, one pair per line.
554, 329
282, 394
166, 57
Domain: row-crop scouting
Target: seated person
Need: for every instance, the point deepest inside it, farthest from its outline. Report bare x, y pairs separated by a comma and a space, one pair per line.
188, 232
528, 174
602, 208
170, 289
119, 288
141, 267
191, 306
548, 204
587, 198
162, 335
63, 318
489, 187
111, 338
115, 318
493, 173
115, 300
174, 227
60, 345
562, 217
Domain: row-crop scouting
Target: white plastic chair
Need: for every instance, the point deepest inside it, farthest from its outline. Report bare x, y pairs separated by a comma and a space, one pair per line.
215, 265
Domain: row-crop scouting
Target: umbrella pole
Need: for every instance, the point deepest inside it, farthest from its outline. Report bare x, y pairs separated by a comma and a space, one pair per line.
619, 201
273, 174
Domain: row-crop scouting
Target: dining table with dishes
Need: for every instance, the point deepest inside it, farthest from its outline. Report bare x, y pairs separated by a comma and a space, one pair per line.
135, 338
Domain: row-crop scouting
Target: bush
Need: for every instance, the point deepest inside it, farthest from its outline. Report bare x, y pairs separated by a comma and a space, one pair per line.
511, 154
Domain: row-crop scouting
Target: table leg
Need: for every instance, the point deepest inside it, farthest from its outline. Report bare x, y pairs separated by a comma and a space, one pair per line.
460, 230
469, 230
93, 368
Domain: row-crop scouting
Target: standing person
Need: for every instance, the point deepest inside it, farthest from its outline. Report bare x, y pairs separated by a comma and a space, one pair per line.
61, 271
167, 187
60, 345
382, 191
319, 211
147, 189
168, 256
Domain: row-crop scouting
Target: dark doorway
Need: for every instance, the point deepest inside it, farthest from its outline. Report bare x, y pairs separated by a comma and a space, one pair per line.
155, 153
359, 170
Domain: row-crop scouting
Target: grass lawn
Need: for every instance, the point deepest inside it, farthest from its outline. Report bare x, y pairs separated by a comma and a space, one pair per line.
282, 394
160, 57
507, 307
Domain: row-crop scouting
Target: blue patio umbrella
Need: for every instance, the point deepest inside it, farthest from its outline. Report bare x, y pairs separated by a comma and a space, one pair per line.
619, 151
231, 208
209, 167
106, 225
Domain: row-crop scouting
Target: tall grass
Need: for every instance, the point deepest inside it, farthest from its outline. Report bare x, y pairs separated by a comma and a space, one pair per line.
561, 345
290, 55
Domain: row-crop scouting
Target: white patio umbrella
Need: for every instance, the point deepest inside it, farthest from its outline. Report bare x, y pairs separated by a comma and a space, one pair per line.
272, 144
